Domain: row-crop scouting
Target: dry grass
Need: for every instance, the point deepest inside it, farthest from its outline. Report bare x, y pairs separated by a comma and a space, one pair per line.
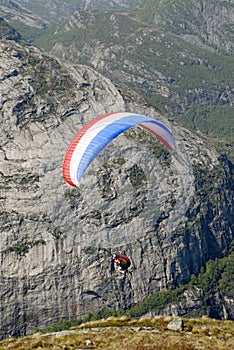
122, 333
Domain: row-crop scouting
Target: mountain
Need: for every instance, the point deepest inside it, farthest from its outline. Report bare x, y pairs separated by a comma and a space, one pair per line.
33, 13
7, 32
178, 54
204, 23
171, 53
33, 18
170, 212
17, 12
26, 22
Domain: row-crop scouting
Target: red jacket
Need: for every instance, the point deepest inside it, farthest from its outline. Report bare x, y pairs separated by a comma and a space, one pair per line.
122, 260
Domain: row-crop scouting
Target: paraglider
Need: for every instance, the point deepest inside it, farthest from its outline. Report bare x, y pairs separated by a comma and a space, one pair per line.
92, 138
122, 262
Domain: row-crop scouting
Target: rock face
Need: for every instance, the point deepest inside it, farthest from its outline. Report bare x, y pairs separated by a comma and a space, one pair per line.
193, 305
203, 21
176, 325
169, 62
40, 14
170, 212
16, 12
7, 32
175, 54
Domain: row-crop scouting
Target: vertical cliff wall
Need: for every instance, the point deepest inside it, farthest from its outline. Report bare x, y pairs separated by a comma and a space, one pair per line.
170, 212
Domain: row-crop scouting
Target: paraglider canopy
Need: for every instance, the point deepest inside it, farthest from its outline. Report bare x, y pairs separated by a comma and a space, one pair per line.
98, 133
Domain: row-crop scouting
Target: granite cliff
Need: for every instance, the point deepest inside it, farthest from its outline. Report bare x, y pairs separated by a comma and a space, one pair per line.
170, 212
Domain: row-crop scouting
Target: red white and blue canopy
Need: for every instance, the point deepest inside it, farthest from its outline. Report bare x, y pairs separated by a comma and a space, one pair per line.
91, 139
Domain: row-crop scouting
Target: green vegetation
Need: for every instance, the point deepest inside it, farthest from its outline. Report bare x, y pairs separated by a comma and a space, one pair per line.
216, 276
8, 32
156, 301
188, 17
59, 326
22, 248
29, 35
127, 333
57, 233
190, 82
46, 77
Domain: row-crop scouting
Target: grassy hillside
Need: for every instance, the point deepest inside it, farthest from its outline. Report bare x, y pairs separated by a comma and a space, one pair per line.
217, 275
125, 333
